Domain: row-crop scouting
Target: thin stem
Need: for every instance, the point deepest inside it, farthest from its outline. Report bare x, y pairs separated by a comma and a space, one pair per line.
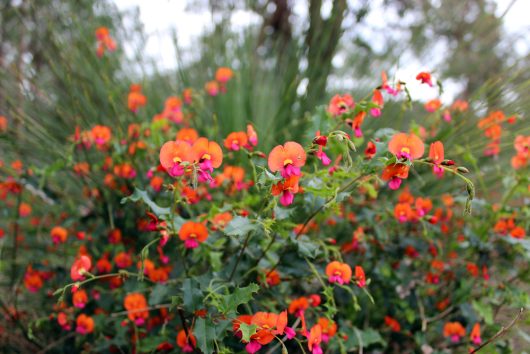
15, 242
245, 244
501, 332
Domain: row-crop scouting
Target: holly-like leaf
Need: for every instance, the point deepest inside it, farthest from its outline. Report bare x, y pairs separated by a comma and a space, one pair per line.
228, 304
239, 227
139, 194
158, 294
204, 332
247, 331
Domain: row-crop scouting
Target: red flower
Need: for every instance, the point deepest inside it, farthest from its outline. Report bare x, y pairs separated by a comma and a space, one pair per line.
186, 342
425, 78
80, 267
340, 105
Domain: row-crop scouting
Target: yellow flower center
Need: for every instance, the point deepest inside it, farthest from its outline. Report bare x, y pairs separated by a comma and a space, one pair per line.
406, 150
206, 157
288, 161
193, 236
177, 159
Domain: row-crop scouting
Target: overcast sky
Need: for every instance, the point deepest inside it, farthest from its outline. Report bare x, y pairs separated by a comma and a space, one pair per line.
161, 16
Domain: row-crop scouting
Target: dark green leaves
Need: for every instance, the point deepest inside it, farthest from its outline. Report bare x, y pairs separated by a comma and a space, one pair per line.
228, 304
139, 194
239, 227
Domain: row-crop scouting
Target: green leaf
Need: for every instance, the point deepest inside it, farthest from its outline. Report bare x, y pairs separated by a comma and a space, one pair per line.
228, 304
192, 294
139, 194
239, 226
307, 248
485, 311
247, 331
204, 332
364, 338
150, 343
158, 294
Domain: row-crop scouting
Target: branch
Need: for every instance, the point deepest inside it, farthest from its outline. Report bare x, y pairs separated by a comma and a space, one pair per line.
501, 332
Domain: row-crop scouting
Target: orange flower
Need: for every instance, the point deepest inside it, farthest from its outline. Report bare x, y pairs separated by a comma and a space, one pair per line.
105, 41
125, 170
208, 155
298, 306
360, 278
186, 342
80, 298
393, 324
136, 306
406, 146
193, 233
287, 159
85, 324
273, 277
518, 232
475, 334
433, 105
454, 330
173, 110
287, 188
370, 150
101, 135
395, 174
33, 279
340, 105
460, 106
173, 154
357, 122
377, 99
188, 135
136, 99
123, 260
220, 220
80, 267
436, 152
24, 210
329, 328
314, 340
82, 168
425, 78
187, 95
59, 234
266, 322
252, 136
236, 324
212, 88
338, 272
223, 75
423, 206
436, 155
3, 124
234, 141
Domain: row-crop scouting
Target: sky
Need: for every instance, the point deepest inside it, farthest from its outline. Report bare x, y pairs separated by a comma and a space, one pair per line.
161, 17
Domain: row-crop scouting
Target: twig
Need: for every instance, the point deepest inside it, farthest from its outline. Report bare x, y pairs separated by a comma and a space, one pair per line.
56, 343
240, 256
501, 332
150, 308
